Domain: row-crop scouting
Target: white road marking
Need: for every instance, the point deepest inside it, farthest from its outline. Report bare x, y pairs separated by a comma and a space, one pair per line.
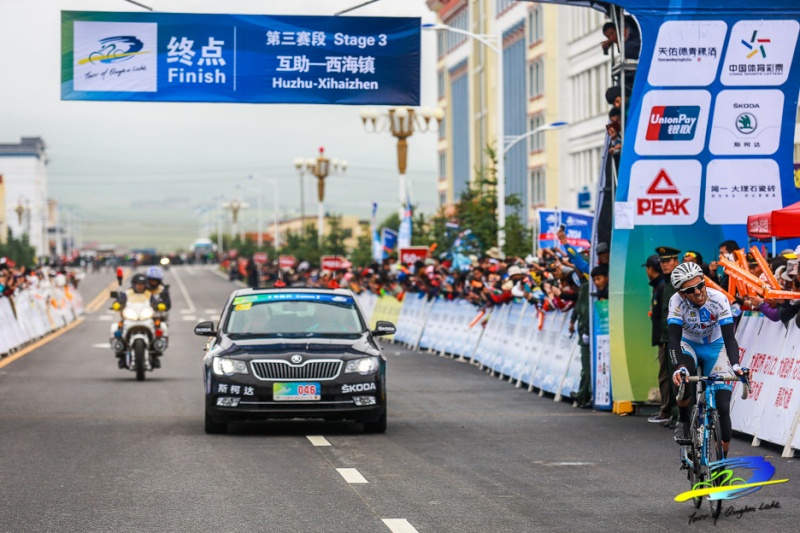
563, 463
351, 475
101, 345
185, 293
189, 318
187, 311
212, 312
105, 317
399, 525
318, 441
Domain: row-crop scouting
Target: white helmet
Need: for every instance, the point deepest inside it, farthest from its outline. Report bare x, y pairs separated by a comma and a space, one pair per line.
155, 272
684, 272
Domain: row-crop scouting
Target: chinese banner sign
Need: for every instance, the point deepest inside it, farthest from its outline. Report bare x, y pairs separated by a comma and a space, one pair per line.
176, 57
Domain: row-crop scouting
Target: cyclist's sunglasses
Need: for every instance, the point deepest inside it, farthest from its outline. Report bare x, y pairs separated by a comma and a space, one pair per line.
690, 290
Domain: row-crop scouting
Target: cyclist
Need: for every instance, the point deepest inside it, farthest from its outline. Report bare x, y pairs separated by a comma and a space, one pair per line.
701, 332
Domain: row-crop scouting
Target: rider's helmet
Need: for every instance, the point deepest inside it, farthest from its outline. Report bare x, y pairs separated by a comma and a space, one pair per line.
154, 276
139, 283
684, 272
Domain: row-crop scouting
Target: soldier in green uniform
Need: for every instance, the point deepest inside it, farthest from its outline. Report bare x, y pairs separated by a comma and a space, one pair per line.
668, 258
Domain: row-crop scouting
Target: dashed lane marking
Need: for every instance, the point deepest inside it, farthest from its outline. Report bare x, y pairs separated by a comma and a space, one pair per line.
105, 317
189, 318
104, 345
186, 311
189, 302
212, 312
318, 441
351, 475
399, 525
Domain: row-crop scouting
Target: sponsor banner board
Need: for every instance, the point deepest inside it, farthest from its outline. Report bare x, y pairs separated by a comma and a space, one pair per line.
260, 257
711, 127
412, 254
287, 261
334, 262
183, 57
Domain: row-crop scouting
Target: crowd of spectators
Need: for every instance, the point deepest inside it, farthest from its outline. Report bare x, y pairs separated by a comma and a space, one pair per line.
14, 278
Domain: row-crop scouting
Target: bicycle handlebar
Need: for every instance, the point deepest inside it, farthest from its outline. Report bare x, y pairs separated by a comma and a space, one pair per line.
716, 379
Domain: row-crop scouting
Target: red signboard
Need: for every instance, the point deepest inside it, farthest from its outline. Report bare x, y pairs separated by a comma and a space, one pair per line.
287, 261
334, 262
412, 254
260, 257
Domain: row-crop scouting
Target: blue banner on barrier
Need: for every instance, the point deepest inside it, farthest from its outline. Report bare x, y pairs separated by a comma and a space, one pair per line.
177, 57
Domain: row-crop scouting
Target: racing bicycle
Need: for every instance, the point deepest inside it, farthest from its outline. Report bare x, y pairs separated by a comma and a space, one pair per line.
700, 456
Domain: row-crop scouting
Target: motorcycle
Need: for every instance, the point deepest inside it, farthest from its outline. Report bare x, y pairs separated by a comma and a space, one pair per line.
141, 335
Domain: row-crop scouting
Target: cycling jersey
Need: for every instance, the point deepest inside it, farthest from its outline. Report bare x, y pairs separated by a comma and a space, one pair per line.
701, 324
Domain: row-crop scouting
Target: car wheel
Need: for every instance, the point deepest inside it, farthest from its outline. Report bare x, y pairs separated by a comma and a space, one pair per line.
376, 426
215, 428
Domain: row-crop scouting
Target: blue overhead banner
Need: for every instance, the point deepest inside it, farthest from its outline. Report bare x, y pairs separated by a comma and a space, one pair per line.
176, 57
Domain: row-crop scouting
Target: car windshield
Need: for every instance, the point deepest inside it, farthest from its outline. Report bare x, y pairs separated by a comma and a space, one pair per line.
294, 315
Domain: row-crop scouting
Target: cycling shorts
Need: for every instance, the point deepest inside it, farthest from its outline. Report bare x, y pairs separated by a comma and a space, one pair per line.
710, 359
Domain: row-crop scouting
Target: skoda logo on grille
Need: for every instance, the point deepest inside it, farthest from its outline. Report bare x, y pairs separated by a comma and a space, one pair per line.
297, 359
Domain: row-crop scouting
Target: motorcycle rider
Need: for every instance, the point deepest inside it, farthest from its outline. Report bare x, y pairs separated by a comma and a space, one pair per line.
158, 290
138, 286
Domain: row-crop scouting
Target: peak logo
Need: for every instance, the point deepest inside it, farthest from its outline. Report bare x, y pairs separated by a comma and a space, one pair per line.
665, 192
672, 123
662, 186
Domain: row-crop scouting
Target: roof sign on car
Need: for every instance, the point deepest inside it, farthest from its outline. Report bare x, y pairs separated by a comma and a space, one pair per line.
292, 296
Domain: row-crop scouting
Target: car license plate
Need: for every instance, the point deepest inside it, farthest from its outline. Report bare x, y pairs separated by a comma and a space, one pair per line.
298, 391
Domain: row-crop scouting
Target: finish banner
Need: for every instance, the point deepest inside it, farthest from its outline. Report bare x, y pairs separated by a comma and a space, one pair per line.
180, 57
709, 141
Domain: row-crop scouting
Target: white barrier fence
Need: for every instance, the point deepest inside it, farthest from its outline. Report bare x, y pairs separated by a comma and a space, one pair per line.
35, 312
772, 411
511, 342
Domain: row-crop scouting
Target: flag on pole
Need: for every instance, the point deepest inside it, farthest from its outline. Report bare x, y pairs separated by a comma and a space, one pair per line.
404, 238
377, 247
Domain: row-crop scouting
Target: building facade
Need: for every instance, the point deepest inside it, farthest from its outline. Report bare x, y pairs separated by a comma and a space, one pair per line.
24, 170
553, 71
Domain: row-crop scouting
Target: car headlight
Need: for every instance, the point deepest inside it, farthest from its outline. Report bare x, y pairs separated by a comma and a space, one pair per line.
223, 366
366, 366
130, 314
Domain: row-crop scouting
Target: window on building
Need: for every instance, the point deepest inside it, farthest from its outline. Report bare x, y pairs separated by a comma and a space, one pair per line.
535, 24
442, 198
347, 232
442, 165
443, 128
460, 21
502, 5
588, 90
536, 78
538, 187
440, 83
440, 43
536, 141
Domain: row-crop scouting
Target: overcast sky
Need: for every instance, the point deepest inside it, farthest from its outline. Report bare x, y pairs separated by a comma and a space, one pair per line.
109, 159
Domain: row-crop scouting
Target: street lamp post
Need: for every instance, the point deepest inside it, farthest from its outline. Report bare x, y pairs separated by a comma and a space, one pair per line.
401, 122
320, 168
494, 43
235, 206
277, 235
301, 165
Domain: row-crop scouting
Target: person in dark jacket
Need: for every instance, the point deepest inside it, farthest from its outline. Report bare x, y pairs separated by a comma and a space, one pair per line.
580, 315
656, 277
668, 258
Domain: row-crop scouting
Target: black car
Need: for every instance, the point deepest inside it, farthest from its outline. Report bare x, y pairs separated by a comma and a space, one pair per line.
294, 353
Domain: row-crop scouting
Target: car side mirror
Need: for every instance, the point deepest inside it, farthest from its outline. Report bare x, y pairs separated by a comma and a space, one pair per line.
383, 327
205, 329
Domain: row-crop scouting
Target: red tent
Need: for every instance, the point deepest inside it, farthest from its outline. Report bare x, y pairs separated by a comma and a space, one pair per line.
779, 224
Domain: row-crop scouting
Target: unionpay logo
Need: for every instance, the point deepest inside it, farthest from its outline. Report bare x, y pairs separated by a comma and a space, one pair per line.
672, 123
665, 192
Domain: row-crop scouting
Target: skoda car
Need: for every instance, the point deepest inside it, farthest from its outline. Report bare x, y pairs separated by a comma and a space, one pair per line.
294, 353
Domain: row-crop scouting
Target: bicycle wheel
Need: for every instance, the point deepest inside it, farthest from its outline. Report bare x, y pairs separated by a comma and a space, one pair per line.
714, 453
695, 470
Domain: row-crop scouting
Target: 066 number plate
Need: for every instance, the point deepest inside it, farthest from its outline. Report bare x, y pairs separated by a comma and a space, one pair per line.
297, 391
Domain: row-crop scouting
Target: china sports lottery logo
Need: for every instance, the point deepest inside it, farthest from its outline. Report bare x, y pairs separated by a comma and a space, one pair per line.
727, 484
672, 123
756, 45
